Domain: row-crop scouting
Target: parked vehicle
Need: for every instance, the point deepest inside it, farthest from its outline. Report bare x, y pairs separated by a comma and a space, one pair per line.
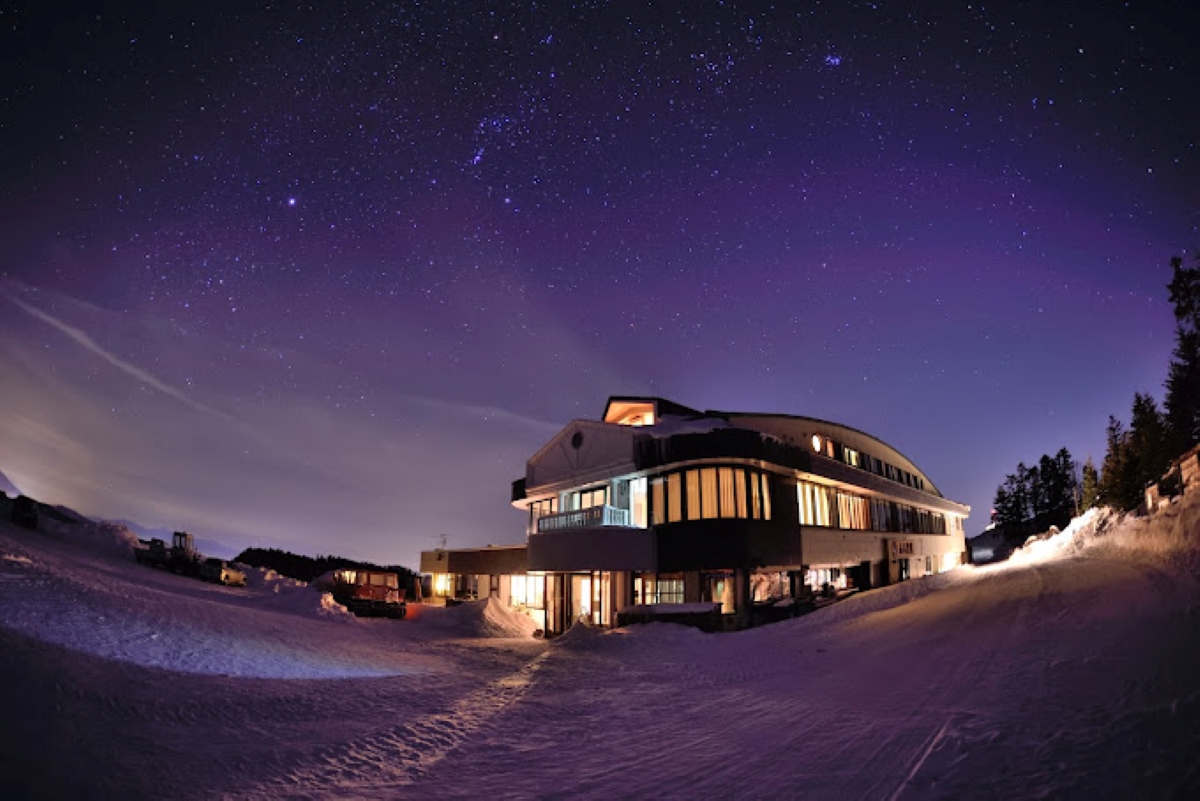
370, 593
182, 557
153, 553
222, 572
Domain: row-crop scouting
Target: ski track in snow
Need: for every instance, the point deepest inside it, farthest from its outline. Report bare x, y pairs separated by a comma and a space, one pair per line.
1074, 673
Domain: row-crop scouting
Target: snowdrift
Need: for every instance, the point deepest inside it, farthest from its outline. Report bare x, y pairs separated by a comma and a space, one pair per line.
113, 538
486, 618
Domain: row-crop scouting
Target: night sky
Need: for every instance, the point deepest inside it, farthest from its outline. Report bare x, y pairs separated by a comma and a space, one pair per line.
324, 279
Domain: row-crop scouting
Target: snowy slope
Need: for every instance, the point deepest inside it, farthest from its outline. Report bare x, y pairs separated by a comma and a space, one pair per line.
1071, 670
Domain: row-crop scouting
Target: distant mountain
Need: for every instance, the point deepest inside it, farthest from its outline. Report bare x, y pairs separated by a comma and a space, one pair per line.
7, 487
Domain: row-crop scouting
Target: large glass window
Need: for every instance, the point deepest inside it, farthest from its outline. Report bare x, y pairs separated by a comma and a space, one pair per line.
708, 492
704, 493
538, 509
725, 476
658, 500
739, 491
693, 494
674, 498
852, 511
816, 504
637, 503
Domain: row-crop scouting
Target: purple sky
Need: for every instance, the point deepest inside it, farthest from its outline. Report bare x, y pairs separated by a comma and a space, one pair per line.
326, 279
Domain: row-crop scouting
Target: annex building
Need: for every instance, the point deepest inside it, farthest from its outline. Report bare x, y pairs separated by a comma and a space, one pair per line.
657, 504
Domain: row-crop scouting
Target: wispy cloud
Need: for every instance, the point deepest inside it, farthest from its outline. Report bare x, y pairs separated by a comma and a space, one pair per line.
81, 338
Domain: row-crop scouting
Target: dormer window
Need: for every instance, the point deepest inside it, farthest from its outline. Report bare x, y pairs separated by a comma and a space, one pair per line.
631, 413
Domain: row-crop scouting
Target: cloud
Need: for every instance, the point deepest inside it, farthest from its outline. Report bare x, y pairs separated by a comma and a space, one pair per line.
91, 345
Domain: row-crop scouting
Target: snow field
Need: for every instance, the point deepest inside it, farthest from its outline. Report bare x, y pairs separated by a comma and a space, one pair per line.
1070, 671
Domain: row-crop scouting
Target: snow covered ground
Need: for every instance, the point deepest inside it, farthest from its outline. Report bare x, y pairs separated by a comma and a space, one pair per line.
1073, 670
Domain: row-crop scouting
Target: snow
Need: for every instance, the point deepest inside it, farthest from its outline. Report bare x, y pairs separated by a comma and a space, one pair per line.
670, 425
1072, 670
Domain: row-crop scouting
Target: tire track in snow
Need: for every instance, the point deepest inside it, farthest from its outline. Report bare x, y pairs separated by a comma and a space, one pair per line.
386, 760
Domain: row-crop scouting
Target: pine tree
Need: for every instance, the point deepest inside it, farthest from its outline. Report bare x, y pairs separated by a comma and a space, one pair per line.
1150, 452
1182, 401
1089, 491
1118, 486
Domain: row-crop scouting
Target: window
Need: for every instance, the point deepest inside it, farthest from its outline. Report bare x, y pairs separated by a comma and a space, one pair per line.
668, 589
725, 476
816, 504
705, 493
637, 502
852, 511
539, 509
693, 494
658, 500
739, 489
708, 493
674, 498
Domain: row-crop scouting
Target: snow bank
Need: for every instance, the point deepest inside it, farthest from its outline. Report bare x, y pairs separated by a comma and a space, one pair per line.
1170, 537
486, 618
653, 638
105, 537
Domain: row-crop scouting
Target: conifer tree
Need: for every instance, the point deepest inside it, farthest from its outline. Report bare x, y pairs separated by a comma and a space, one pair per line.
1089, 491
1182, 401
1118, 487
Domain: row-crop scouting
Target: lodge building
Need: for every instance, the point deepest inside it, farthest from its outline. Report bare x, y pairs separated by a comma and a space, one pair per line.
658, 504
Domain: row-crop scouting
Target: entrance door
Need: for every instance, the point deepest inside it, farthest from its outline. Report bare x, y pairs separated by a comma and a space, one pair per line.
582, 602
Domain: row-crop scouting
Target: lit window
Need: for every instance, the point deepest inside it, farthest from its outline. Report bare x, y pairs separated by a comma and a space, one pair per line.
816, 442
637, 502
727, 476
708, 492
693, 494
674, 498
658, 500
740, 491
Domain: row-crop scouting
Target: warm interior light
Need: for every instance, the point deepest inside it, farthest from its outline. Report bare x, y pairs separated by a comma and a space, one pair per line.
816, 442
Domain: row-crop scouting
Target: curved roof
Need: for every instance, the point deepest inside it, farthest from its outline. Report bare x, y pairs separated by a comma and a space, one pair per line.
793, 429
798, 430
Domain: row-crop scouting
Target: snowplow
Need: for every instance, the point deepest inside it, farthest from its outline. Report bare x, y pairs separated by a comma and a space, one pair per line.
370, 593
182, 557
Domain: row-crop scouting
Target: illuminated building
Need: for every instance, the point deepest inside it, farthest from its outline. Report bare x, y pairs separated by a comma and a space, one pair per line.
657, 503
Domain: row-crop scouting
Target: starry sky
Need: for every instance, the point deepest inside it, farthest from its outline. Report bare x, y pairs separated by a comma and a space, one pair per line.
325, 277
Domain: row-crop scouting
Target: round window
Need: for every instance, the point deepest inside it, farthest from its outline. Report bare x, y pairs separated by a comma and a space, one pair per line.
577, 440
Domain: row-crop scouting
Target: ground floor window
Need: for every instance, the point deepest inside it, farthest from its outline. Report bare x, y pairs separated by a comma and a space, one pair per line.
826, 580
770, 586
718, 587
661, 588
528, 591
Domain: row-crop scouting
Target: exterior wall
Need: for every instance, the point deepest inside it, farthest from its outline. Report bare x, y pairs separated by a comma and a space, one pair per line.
834, 547
586, 549
582, 452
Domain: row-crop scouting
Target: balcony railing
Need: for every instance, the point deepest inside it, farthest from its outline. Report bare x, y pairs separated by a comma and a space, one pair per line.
584, 518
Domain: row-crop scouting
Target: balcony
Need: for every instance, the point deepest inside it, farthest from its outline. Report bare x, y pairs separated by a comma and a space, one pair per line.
597, 538
584, 518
